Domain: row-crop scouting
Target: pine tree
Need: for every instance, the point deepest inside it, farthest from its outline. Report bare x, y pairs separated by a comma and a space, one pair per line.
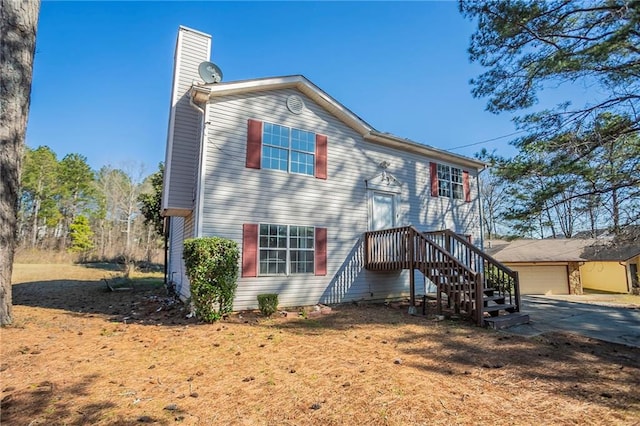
81, 235
18, 24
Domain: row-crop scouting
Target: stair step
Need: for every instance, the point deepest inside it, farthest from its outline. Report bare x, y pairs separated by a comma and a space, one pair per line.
506, 321
488, 291
493, 298
498, 307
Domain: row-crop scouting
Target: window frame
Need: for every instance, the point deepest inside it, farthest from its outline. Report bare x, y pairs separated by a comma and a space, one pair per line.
449, 187
288, 249
290, 150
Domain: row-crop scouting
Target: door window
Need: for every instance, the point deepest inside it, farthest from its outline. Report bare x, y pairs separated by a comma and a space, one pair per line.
383, 211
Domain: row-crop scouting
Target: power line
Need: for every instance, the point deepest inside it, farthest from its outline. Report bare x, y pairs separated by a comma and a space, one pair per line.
487, 140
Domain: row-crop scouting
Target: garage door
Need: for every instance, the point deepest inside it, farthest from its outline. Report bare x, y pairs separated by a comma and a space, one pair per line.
542, 279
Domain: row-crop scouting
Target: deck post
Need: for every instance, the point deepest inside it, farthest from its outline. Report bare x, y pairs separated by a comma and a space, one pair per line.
412, 277
367, 255
479, 296
516, 290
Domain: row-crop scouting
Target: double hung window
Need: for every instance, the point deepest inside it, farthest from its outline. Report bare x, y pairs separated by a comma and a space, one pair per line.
450, 182
288, 149
286, 249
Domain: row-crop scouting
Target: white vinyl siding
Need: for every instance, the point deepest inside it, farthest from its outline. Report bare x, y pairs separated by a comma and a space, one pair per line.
175, 268
235, 195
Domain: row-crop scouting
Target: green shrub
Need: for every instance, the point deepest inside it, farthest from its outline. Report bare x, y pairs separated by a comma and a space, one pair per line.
212, 268
268, 303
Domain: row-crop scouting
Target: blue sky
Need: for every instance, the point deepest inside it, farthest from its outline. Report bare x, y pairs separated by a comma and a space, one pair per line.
102, 71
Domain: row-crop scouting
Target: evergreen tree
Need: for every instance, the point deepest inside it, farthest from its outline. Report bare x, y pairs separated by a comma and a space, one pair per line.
39, 188
81, 235
573, 159
150, 201
76, 189
18, 24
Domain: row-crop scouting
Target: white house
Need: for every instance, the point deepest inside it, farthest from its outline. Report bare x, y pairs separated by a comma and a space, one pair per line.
296, 179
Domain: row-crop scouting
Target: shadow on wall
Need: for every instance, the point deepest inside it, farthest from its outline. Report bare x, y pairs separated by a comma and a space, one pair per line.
341, 288
352, 282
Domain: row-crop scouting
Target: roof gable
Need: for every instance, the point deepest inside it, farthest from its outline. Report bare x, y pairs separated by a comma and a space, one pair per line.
201, 93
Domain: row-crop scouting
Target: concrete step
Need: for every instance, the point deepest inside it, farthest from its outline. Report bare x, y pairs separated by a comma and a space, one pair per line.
506, 321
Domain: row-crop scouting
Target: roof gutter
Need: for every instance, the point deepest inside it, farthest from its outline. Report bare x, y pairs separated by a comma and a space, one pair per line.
199, 178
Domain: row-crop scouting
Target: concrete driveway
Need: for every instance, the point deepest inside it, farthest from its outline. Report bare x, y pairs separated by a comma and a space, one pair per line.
611, 324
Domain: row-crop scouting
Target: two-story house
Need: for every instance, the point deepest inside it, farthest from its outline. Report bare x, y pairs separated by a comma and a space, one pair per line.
297, 179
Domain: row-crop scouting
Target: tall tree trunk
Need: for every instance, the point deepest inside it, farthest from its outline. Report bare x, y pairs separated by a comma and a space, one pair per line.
18, 23
615, 207
550, 222
34, 230
149, 250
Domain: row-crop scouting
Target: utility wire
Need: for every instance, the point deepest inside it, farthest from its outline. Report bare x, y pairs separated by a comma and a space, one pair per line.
486, 140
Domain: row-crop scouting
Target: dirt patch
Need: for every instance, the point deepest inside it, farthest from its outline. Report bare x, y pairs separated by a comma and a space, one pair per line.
79, 354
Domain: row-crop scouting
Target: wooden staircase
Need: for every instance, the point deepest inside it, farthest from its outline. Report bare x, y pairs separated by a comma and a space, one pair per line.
473, 283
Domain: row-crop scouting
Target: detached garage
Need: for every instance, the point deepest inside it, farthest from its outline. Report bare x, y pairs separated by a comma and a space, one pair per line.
543, 266
566, 266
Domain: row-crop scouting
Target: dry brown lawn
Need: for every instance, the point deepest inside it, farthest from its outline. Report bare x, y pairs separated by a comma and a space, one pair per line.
79, 355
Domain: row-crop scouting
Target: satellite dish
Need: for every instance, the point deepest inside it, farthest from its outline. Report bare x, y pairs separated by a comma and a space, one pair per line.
210, 72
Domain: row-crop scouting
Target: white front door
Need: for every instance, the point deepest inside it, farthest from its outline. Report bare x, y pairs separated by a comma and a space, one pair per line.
382, 211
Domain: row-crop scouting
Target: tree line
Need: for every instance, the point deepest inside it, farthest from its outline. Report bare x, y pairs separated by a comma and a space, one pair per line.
578, 164
111, 213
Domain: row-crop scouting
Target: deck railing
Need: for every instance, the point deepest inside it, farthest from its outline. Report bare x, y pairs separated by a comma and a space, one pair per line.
503, 280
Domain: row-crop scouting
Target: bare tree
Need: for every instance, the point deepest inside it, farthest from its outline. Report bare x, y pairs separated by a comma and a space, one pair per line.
493, 196
121, 188
18, 24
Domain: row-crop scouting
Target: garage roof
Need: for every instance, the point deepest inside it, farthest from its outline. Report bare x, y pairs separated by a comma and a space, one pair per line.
560, 250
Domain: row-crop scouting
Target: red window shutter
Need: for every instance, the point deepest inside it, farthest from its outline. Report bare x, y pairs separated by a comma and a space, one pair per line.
465, 186
321, 251
254, 144
249, 250
433, 167
321, 156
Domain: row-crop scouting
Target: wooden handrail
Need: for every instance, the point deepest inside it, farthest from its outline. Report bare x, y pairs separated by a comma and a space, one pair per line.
510, 289
466, 243
443, 251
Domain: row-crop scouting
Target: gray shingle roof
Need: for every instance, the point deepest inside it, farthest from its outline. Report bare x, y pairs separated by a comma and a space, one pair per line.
561, 250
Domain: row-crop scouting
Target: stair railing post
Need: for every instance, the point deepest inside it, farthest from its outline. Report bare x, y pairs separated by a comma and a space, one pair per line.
447, 241
479, 296
367, 255
516, 289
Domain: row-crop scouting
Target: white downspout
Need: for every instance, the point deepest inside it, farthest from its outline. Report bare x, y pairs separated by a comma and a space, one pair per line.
199, 173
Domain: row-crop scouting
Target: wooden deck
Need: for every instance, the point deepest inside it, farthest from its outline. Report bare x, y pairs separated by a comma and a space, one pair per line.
473, 282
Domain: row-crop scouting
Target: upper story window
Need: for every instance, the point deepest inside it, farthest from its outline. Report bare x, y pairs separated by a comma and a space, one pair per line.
450, 182
288, 149
276, 147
